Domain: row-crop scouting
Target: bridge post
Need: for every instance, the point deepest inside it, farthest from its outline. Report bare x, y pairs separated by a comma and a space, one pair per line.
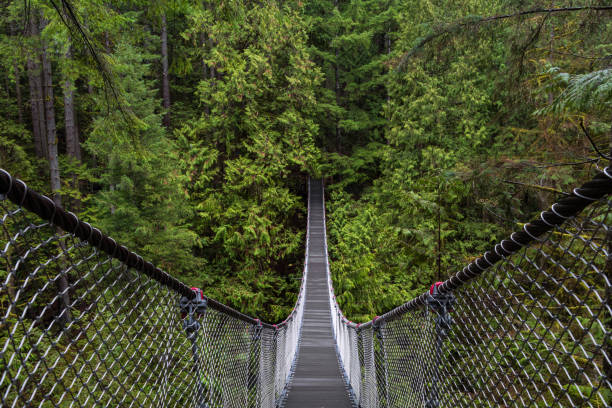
190, 309
440, 304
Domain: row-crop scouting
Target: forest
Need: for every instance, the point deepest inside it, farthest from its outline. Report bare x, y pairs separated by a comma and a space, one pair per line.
187, 130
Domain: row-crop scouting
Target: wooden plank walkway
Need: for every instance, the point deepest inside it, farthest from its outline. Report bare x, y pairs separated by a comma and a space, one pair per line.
317, 381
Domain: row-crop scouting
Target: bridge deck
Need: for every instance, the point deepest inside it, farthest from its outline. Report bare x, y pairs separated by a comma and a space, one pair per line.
317, 382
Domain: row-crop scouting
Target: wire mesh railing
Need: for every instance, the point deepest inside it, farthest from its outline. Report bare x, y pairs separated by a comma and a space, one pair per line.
526, 325
85, 322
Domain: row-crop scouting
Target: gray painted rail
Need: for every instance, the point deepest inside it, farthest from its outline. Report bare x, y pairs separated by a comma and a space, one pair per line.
317, 381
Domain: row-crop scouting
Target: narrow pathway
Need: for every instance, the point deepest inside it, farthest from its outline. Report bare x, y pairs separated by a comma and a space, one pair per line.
317, 381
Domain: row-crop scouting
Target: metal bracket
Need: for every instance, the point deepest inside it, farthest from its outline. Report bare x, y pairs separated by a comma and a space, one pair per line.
376, 327
441, 304
257, 331
190, 309
276, 330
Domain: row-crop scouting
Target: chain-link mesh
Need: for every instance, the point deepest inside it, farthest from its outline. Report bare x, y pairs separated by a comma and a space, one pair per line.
534, 330
79, 328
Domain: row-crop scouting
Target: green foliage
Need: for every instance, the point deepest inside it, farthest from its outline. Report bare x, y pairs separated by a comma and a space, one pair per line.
460, 121
351, 41
216, 199
142, 203
415, 111
15, 156
582, 92
246, 151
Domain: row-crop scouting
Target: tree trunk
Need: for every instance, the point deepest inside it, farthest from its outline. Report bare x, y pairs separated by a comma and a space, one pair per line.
211, 45
17, 73
107, 42
204, 66
64, 315
213, 74
165, 79
73, 147
36, 98
40, 101
18, 93
388, 46
51, 130
337, 92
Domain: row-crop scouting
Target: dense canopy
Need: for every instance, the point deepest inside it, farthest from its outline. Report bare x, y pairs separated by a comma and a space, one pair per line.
187, 129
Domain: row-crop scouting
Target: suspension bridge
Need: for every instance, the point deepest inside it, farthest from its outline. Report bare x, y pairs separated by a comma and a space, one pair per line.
86, 322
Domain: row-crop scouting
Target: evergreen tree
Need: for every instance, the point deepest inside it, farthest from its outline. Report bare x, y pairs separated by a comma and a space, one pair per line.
142, 202
248, 148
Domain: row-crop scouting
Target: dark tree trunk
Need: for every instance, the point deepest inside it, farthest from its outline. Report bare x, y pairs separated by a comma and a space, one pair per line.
37, 132
40, 102
107, 42
211, 44
17, 73
213, 73
165, 78
204, 66
73, 147
64, 316
51, 130
337, 92
18, 93
388, 46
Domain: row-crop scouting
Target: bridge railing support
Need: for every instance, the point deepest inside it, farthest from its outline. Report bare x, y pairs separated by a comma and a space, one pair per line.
439, 307
191, 310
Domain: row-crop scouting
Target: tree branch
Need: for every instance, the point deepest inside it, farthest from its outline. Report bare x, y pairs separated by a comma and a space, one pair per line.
537, 187
475, 20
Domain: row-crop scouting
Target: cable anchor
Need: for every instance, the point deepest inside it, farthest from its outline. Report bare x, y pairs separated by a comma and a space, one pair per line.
191, 310
441, 304
257, 330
